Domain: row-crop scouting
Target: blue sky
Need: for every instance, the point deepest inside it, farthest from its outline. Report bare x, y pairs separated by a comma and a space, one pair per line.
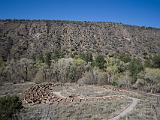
134, 12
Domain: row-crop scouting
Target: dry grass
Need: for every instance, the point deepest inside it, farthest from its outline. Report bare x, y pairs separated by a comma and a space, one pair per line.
148, 107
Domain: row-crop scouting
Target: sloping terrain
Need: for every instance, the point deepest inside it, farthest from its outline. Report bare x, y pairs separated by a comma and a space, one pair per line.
55, 68
29, 38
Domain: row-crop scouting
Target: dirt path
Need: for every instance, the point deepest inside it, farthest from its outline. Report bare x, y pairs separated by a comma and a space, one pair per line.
42, 94
123, 113
127, 110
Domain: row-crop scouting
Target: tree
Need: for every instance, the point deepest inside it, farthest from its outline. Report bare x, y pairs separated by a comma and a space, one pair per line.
100, 61
47, 58
156, 61
124, 57
57, 55
86, 57
135, 67
2, 70
22, 70
2, 63
153, 61
25, 68
40, 58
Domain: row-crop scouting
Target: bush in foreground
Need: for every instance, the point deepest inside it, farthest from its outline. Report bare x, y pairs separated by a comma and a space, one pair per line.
9, 106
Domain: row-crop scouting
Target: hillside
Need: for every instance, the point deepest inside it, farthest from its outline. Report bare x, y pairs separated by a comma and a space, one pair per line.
20, 38
78, 70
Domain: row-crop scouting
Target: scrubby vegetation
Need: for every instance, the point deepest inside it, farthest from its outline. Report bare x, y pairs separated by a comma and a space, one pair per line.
135, 67
68, 51
121, 70
153, 61
9, 107
86, 56
52, 53
99, 62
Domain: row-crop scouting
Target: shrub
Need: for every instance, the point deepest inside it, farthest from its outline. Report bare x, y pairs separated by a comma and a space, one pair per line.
62, 68
100, 62
114, 83
40, 65
148, 63
116, 64
152, 75
26, 68
40, 58
88, 78
123, 79
2, 70
124, 57
102, 77
57, 55
9, 106
79, 61
73, 74
86, 57
68, 69
153, 61
76, 69
139, 83
21, 70
114, 67
135, 67
122, 66
47, 58
94, 76
40, 76
156, 61
2, 63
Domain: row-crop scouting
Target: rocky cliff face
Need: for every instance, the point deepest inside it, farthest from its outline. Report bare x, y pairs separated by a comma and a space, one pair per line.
29, 38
